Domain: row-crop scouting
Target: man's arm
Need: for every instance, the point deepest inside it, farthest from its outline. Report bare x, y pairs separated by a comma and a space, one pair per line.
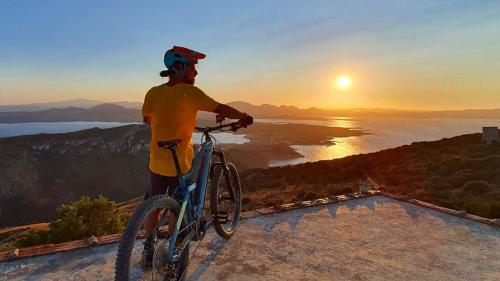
229, 112
206, 103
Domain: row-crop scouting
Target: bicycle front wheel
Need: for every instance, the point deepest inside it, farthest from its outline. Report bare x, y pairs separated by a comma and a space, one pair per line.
225, 200
133, 261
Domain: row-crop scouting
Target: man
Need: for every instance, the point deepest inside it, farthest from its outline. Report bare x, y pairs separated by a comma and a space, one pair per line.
171, 109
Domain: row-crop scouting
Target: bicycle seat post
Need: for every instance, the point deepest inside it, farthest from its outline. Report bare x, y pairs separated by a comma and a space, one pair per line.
172, 146
176, 162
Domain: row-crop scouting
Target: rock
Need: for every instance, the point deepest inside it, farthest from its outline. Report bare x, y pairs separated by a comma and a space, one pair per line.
92, 241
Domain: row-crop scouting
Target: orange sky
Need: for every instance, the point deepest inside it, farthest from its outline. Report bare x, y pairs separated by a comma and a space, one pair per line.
407, 54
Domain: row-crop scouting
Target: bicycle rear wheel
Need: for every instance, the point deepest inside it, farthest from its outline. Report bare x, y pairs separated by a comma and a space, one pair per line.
225, 200
129, 263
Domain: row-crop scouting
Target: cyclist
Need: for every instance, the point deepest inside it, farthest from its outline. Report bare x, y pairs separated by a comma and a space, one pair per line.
171, 109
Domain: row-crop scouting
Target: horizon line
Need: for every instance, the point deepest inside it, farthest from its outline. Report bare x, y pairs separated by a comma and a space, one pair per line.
263, 104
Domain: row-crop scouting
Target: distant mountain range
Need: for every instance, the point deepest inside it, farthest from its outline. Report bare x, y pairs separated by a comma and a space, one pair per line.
80, 103
273, 111
89, 110
102, 112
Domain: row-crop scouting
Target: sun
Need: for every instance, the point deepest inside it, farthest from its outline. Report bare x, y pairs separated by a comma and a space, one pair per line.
343, 82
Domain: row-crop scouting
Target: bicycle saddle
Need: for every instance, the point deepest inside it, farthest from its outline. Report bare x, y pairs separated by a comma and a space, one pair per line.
169, 144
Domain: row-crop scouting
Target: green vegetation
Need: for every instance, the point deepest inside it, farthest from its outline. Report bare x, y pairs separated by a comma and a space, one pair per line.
31, 238
77, 220
476, 187
461, 173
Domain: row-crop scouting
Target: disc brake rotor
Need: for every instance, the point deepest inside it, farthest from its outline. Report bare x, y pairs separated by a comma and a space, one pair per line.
161, 267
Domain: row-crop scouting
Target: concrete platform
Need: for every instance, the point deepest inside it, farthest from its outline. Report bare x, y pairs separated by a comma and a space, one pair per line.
373, 238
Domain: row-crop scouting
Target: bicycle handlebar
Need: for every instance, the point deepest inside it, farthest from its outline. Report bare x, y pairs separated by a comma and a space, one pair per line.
234, 127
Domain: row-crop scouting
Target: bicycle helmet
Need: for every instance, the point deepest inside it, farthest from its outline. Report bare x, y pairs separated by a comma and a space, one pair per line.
182, 55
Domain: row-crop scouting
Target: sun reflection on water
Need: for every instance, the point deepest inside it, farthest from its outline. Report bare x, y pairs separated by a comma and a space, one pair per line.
343, 147
384, 133
341, 122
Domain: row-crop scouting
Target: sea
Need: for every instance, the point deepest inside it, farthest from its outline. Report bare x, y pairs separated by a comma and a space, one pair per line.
18, 129
383, 133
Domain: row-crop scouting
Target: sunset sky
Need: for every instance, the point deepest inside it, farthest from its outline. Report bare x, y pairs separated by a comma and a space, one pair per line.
397, 54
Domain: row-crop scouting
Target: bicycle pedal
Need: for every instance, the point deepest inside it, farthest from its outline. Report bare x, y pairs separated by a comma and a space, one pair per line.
221, 217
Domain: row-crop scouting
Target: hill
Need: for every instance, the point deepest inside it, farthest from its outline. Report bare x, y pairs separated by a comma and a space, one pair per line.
461, 173
80, 103
293, 112
101, 112
40, 172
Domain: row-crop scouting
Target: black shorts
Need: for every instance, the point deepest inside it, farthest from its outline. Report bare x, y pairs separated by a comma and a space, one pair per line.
161, 185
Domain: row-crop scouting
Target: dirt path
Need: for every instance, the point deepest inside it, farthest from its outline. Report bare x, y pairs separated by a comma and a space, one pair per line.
373, 238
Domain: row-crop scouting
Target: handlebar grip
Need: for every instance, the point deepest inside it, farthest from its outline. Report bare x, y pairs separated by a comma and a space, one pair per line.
245, 121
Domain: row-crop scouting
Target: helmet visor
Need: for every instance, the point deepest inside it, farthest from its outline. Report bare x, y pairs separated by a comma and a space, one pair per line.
190, 55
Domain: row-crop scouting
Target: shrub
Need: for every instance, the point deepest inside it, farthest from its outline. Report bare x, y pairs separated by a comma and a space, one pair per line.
476, 187
84, 218
342, 191
395, 179
300, 195
494, 211
77, 220
460, 178
31, 237
441, 193
309, 196
476, 206
436, 185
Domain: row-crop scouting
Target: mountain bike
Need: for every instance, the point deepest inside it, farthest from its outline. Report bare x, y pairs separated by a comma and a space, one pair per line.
187, 206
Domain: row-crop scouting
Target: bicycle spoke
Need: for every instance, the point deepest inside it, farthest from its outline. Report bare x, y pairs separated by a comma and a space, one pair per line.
146, 258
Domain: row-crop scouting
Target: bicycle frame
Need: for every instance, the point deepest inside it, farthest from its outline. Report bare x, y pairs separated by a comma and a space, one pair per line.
187, 202
185, 189
187, 185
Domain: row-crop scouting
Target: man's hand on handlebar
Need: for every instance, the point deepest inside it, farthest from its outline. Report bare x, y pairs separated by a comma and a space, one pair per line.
245, 121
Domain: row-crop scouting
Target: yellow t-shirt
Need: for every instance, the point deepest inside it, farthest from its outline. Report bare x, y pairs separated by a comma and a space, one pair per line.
173, 111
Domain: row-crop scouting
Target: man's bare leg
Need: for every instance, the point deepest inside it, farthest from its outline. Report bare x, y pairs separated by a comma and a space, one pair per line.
153, 219
151, 222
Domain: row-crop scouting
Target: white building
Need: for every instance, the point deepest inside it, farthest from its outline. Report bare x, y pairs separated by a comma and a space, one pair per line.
490, 134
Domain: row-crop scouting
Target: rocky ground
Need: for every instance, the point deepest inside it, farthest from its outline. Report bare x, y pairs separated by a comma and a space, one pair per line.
375, 238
